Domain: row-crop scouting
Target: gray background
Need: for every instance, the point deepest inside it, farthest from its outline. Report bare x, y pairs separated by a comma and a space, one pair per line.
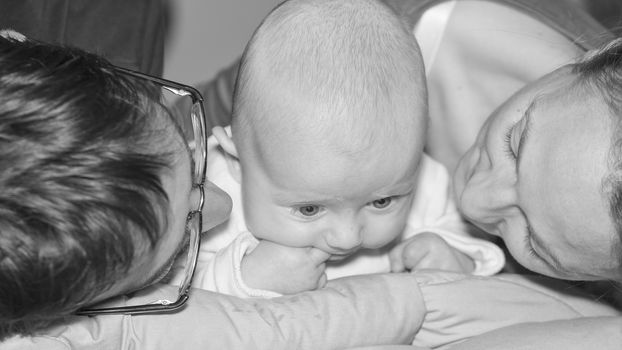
206, 35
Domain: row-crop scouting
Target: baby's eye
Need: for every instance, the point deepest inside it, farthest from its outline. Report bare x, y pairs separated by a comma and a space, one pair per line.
381, 203
309, 210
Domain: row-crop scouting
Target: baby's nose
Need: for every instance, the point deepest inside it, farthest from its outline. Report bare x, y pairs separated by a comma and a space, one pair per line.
345, 237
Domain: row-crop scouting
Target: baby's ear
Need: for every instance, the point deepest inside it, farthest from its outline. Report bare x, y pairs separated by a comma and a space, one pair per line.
231, 152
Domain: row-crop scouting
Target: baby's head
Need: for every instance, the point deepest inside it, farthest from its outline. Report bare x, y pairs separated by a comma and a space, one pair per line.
330, 113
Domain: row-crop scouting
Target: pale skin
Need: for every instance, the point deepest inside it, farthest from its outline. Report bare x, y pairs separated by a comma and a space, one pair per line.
534, 178
505, 233
308, 204
567, 147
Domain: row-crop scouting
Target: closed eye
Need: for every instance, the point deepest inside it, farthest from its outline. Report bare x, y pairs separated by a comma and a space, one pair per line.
515, 136
507, 143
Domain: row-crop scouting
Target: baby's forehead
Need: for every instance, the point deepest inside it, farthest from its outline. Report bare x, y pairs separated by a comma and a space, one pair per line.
312, 153
354, 134
329, 176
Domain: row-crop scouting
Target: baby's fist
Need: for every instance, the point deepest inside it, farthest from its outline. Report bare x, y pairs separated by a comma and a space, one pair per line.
429, 251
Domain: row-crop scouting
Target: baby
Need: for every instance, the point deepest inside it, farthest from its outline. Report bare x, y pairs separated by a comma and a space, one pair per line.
324, 159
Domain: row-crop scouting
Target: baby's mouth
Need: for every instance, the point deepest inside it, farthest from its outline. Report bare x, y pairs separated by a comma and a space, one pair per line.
341, 256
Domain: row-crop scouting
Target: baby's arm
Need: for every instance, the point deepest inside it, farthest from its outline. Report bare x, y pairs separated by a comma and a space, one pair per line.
250, 268
437, 236
440, 309
358, 311
427, 250
219, 268
284, 270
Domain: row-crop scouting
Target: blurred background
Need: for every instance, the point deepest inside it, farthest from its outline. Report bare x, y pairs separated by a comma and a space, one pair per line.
206, 35
197, 38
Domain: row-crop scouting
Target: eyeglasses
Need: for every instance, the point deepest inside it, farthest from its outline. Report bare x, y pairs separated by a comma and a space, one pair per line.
193, 129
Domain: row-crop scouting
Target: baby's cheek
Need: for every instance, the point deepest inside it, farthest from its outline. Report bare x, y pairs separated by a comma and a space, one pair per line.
383, 232
263, 224
287, 232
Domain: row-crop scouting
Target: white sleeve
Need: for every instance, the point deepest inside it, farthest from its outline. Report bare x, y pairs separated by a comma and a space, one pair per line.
434, 210
221, 272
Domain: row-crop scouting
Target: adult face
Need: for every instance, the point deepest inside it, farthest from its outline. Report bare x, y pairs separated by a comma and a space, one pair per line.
534, 177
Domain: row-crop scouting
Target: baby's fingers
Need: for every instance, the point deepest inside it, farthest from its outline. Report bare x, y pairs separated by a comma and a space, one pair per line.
396, 259
322, 281
414, 257
318, 256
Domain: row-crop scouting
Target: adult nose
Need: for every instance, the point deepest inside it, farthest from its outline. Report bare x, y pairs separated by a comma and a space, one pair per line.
491, 193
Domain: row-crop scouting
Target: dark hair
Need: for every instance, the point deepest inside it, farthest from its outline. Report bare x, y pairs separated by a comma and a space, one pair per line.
601, 70
80, 188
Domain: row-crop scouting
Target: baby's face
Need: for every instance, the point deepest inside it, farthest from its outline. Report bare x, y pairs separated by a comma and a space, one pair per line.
309, 195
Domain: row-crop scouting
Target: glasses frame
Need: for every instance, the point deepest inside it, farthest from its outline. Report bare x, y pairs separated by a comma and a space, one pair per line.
194, 220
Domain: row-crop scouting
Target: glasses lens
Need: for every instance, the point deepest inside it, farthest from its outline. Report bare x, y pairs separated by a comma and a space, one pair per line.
196, 115
194, 228
188, 116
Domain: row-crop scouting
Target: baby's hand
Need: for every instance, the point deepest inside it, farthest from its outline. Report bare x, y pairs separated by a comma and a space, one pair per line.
429, 251
283, 269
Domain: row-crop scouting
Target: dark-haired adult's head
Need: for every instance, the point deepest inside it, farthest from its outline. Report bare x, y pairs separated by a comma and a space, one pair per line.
94, 184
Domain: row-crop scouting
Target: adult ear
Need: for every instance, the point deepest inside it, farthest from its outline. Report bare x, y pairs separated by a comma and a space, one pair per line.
12, 34
230, 151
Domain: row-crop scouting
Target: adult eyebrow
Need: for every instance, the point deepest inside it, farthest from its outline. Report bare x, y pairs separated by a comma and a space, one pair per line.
525, 134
